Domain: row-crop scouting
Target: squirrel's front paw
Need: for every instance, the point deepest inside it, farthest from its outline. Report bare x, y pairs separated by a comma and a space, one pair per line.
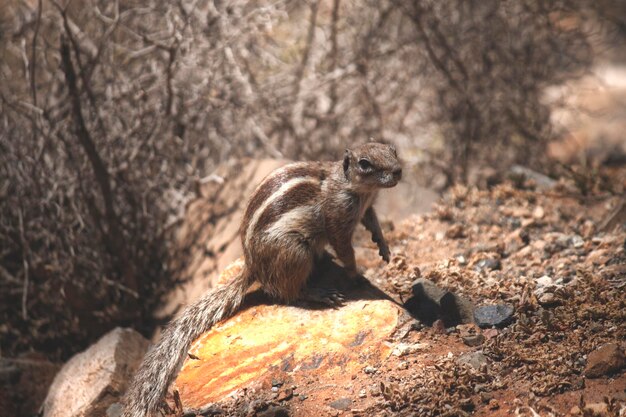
385, 253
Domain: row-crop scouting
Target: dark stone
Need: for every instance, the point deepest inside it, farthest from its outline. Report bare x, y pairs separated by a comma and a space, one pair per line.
462, 309
431, 303
343, 404
498, 315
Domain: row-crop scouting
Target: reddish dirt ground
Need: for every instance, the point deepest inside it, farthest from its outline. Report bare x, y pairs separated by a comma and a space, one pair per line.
534, 366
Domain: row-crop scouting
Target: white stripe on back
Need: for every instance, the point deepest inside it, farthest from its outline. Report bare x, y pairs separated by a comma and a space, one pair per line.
284, 188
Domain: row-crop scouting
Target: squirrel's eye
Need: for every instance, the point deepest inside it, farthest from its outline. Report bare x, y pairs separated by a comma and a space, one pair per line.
364, 164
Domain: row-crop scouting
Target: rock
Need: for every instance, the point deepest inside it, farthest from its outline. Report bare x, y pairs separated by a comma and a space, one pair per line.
488, 264
577, 241
304, 344
462, 309
542, 181
605, 360
93, 380
471, 334
473, 340
546, 285
490, 333
370, 370
24, 383
543, 281
548, 299
341, 404
498, 315
431, 303
474, 359
285, 395
461, 260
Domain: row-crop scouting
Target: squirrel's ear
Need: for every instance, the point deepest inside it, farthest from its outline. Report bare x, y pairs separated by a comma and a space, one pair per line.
346, 160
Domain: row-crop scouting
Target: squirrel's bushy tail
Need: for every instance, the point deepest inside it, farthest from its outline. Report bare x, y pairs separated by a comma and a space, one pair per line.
163, 361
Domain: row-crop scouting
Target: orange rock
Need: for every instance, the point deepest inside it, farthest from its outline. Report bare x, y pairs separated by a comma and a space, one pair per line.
305, 344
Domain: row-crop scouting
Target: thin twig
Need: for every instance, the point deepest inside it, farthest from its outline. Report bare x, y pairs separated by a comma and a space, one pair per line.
334, 56
25, 262
33, 56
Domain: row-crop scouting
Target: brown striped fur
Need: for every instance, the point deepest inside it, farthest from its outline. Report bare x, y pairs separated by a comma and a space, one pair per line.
292, 215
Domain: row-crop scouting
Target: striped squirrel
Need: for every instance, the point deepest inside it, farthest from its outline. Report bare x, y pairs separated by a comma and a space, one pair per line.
291, 216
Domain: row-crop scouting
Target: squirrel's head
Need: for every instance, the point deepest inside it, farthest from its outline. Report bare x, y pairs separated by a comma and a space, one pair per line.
372, 166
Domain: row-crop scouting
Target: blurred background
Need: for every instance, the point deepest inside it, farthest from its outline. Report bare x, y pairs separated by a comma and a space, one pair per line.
114, 112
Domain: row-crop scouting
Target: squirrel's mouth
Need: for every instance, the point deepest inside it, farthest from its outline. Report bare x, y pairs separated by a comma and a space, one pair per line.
393, 178
391, 183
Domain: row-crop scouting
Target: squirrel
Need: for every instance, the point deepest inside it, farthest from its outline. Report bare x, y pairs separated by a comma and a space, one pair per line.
289, 219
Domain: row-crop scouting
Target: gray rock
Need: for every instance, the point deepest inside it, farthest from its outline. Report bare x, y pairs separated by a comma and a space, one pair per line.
498, 315
544, 281
343, 404
474, 359
543, 181
90, 382
577, 241
370, 370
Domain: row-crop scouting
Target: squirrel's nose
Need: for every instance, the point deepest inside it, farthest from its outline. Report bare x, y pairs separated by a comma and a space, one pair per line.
397, 173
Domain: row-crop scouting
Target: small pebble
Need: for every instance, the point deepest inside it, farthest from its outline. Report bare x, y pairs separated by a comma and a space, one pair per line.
577, 241
370, 370
547, 299
489, 264
474, 339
